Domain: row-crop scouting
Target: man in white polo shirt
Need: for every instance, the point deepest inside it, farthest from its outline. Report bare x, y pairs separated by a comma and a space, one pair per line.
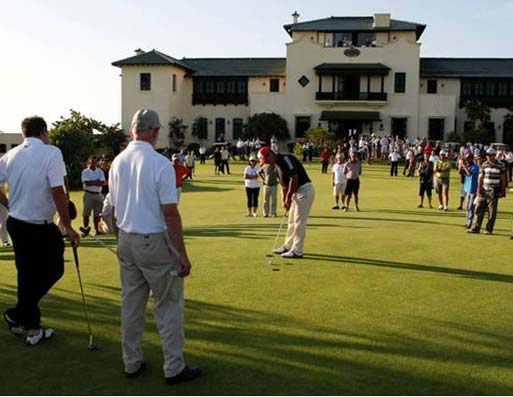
34, 172
93, 180
151, 248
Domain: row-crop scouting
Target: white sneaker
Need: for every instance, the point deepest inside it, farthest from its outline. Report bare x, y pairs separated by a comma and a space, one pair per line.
446, 208
248, 215
291, 254
34, 337
254, 215
440, 207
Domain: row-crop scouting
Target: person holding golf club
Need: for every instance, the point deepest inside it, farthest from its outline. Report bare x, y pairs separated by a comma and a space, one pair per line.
298, 197
151, 249
34, 172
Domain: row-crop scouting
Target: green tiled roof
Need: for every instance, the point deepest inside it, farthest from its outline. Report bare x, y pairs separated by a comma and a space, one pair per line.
466, 67
242, 67
250, 67
359, 24
152, 57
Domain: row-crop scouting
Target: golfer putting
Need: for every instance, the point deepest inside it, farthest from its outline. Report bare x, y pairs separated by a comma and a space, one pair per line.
298, 196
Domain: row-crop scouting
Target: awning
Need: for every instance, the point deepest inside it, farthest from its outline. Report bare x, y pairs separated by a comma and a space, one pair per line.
358, 68
338, 115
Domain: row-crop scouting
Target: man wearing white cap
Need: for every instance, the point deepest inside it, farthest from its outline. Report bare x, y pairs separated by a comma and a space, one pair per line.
491, 186
298, 197
151, 248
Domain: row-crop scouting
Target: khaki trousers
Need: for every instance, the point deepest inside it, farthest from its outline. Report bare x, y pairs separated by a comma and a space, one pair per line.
270, 198
298, 217
150, 262
488, 202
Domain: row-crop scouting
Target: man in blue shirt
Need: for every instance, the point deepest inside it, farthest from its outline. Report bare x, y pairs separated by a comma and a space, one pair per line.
470, 170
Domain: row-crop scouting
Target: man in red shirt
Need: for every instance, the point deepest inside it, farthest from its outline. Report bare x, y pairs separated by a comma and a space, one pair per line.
181, 173
325, 160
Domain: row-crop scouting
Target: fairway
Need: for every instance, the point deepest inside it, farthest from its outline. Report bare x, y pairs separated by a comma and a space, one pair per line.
390, 300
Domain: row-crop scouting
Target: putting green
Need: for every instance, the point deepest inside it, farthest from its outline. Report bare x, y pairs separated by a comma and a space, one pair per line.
390, 300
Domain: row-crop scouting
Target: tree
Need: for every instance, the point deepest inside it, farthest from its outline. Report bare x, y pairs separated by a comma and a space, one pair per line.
265, 125
508, 129
478, 111
200, 128
176, 132
454, 136
320, 136
112, 138
74, 137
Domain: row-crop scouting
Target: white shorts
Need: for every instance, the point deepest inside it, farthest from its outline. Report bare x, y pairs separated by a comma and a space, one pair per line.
339, 189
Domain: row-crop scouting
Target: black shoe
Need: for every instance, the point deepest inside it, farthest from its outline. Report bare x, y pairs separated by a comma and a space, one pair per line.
135, 374
187, 374
15, 327
335, 207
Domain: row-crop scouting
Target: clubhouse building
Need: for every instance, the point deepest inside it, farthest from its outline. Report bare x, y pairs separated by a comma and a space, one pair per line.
349, 74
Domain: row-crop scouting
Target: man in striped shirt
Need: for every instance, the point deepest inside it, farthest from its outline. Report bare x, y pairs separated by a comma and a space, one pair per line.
491, 187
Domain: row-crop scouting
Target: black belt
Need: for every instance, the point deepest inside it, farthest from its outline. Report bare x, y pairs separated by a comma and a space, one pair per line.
88, 191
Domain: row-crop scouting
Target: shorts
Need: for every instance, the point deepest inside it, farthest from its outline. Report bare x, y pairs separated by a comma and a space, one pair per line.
425, 188
94, 203
442, 185
339, 189
352, 187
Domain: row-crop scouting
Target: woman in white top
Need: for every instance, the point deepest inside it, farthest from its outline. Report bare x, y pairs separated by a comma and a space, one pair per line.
252, 186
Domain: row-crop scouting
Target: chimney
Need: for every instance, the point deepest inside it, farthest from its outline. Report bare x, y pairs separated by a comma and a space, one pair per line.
381, 20
139, 51
295, 17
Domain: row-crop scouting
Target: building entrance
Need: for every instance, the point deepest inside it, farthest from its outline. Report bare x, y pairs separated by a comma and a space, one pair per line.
346, 129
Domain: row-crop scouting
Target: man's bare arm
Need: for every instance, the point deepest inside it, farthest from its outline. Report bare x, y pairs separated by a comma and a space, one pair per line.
61, 203
3, 200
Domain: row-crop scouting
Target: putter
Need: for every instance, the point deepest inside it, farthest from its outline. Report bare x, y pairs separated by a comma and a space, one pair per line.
86, 233
91, 346
270, 255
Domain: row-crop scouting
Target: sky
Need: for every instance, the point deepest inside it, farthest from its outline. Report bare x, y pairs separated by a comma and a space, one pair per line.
56, 55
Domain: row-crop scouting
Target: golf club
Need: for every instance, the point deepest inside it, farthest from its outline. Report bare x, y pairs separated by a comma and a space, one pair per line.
91, 346
85, 233
270, 255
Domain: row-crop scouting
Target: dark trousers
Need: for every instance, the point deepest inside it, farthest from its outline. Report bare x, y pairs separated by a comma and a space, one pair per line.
202, 159
393, 168
39, 257
324, 169
252, 194
406, 166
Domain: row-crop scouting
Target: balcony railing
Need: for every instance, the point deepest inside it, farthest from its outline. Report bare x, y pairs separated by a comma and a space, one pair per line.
219, 99
492, 101
351, 96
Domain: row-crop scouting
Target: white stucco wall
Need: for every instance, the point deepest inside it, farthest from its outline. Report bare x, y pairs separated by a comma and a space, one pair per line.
400, 56
161, 97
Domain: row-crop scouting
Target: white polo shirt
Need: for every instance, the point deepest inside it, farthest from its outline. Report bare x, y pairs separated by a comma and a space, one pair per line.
140, 181
92, 175
31, 170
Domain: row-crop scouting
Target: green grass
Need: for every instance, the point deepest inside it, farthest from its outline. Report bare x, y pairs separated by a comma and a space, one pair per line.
390, 300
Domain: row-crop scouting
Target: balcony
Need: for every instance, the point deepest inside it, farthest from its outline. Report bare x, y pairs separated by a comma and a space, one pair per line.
494, 101
219, 99
351, 96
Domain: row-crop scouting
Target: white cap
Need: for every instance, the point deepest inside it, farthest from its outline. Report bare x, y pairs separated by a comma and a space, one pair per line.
145, 120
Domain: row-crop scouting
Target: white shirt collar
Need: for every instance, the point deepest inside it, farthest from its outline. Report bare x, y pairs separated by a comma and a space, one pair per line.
31, 141
141, 144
